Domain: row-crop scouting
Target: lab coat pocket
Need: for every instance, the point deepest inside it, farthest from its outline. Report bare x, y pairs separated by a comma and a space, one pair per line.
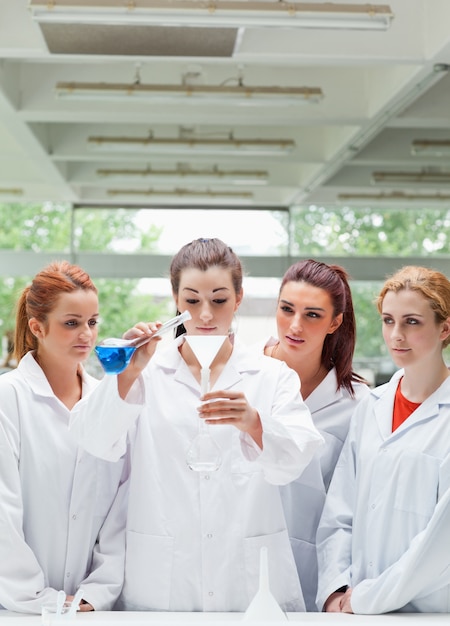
108, 478
283, 577
417, 479
148, 572
444, 476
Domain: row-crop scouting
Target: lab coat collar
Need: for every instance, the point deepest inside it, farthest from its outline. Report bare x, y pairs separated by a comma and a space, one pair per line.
34, 375
383, 408
325, 394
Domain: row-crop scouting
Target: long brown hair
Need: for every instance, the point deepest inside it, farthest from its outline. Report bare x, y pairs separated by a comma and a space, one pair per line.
338, 348
39, 299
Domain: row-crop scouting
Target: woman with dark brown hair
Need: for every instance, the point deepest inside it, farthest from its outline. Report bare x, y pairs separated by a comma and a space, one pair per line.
194, 531
316, 338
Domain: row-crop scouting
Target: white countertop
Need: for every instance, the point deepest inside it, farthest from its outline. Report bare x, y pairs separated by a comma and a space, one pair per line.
178, 619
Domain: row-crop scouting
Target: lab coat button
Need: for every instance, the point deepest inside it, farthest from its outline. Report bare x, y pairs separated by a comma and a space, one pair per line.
210, 593
209, 536
207, 477
68, 575
74, 516
373, 506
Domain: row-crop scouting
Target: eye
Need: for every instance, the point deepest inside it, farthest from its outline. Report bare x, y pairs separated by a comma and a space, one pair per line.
191, 301
93, 322
72, 323
220, 301
412, 321
286, 308
387, 320
313, 314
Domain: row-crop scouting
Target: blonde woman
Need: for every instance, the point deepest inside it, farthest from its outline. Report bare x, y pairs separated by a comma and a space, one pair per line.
385, 530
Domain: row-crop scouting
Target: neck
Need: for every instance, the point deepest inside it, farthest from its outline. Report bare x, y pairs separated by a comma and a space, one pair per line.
65, 382
419, 383
310, 371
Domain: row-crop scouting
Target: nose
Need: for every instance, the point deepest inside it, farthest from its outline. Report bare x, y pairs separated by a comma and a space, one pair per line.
296, 323
86, 330
206, 313
397, 334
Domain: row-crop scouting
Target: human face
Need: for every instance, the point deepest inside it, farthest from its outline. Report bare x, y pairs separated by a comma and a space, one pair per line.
71, 328
210, 298
410, 330
304, 318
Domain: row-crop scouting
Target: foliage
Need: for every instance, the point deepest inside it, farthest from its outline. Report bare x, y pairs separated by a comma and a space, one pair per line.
323, 231
372, 231
47, 228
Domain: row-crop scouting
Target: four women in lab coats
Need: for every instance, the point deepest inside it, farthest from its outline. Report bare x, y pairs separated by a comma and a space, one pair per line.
62, 511
194, 537
316, 338
384, 536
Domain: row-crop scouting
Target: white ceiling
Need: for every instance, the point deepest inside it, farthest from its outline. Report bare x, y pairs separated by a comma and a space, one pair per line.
382, 90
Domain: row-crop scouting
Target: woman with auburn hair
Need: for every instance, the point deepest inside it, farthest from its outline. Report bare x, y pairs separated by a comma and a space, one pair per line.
316, 338
385, 530
62, 511
194, 533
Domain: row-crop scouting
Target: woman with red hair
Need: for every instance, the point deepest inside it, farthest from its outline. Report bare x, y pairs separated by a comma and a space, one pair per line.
62, 512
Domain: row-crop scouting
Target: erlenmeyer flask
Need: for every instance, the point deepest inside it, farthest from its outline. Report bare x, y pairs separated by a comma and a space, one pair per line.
204, 454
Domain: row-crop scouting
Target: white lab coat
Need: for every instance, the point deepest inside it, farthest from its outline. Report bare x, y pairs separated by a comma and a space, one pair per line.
193, 539
62, 511
385, 528
303, 499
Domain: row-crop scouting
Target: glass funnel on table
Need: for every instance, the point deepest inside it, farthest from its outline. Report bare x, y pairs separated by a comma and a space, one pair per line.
204, 454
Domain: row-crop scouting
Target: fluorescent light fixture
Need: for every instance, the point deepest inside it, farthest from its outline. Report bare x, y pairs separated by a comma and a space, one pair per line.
186, 145
214, 174
430, 147
221, 13
197, 193
412, 177
242, 94
395, 196
13, 191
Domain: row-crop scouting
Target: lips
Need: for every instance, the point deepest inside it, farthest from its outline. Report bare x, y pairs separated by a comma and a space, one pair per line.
296, 340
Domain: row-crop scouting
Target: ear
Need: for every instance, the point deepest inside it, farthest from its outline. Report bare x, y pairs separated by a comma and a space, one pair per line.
335, 323
36, 328
445, 332
239, 297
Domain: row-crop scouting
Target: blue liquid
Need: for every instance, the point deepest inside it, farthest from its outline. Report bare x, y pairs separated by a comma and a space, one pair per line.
114, 360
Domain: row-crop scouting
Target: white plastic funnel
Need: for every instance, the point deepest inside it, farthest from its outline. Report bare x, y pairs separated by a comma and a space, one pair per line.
264, 607
205, 348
